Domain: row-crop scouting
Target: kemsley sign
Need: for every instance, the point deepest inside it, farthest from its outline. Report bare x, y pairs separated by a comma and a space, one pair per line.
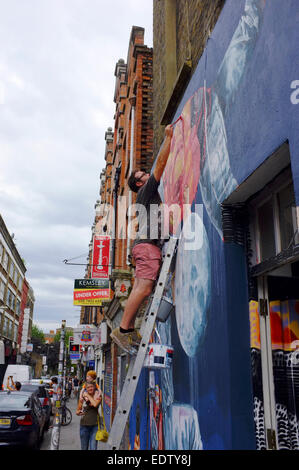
91, 292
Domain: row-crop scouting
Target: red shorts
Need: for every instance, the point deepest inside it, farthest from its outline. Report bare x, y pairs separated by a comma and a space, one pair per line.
148, 261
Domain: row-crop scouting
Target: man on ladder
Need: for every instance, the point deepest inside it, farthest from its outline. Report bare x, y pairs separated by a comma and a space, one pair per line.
146, 250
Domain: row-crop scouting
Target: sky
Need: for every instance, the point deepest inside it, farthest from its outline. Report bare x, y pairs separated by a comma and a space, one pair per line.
57, 62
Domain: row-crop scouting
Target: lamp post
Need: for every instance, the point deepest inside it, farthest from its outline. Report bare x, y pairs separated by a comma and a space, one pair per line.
61, 350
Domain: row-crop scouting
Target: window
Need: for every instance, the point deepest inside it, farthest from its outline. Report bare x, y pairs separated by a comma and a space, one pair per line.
2, 289
10, 299
287, 214
18, 283
15, 333
273, 217
5, 261
11, 269
5, 326
1, 252
15, 275
10, 329
18, 307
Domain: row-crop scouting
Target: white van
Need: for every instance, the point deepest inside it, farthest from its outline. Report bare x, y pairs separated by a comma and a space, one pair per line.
18, 372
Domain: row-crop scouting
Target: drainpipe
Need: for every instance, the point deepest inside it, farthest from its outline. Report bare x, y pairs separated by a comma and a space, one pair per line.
133, 104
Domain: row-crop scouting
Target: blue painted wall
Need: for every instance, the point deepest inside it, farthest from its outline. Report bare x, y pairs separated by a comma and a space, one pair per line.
236, 111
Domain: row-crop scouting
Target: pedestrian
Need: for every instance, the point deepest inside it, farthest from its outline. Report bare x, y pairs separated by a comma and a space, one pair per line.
56, 392
76, 386
91, 377
69, 387
88, 410
146, 249
14, 386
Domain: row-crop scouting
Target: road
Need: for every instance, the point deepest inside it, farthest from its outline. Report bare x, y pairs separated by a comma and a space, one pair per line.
69, 435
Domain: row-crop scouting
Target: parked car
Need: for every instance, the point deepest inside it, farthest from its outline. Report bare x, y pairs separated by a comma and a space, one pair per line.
43, 396
19, 373
22, 420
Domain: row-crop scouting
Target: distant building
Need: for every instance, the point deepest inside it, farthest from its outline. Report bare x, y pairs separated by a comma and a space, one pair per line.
16, 296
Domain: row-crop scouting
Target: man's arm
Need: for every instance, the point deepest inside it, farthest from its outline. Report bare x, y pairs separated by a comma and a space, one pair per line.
163, 154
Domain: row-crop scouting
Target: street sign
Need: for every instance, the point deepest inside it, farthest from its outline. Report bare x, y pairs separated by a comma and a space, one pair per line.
74, 357
44, 360
45, 368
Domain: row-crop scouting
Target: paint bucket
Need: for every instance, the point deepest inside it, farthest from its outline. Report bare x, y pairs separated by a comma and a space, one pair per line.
165, 309
158, 356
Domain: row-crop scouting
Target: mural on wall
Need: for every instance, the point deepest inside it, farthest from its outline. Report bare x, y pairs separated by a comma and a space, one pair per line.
284, 325
199, 151
227, 129
199, 159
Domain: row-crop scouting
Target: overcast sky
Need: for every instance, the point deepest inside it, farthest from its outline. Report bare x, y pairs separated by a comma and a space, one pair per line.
57, 62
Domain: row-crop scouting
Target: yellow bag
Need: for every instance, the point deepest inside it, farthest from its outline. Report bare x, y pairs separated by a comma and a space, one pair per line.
102, 434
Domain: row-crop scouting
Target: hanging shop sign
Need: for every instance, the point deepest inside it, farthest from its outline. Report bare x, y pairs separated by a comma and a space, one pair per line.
100, 257
86, 335
91, 297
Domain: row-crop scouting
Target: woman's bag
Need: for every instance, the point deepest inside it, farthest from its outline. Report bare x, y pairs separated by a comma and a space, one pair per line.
102, 434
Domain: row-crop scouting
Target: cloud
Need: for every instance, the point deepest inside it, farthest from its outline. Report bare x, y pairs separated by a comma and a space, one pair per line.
57, 64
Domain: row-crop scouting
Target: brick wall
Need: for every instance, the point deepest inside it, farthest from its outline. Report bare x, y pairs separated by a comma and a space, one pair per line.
194, 20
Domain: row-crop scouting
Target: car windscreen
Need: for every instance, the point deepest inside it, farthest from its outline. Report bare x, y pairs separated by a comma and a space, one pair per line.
34, 388
15, 401
29, 388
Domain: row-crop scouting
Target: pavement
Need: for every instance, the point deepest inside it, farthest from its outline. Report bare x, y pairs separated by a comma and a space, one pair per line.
69, 435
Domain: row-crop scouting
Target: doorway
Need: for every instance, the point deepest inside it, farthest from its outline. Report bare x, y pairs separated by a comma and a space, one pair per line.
278, 311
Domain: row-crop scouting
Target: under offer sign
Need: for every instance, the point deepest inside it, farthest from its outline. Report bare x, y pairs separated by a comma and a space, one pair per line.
100, 257
91, 296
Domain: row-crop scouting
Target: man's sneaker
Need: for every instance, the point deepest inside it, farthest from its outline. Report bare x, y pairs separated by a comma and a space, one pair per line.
129, 342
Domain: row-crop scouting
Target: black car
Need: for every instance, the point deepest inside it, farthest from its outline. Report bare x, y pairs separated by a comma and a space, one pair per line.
22, 419
44, 398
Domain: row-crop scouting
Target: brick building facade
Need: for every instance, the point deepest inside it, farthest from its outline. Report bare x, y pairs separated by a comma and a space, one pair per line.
16, 296
129, 145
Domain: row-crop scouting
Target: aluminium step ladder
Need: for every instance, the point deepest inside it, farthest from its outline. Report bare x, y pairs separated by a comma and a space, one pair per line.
136, 362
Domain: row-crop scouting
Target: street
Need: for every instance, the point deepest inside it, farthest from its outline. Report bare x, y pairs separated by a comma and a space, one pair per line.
69, 435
